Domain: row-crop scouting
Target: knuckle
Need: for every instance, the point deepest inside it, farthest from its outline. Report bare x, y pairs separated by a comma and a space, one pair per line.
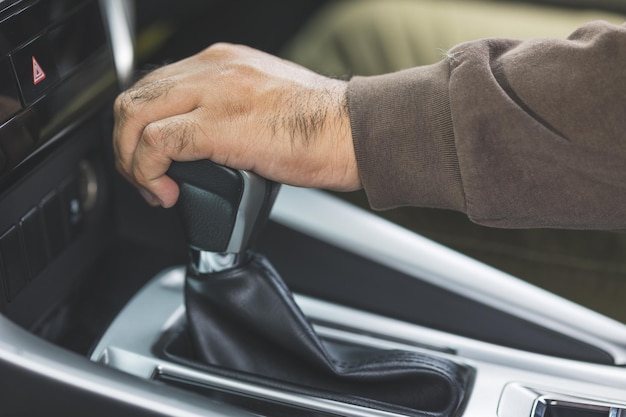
220, 47
153, 135
172, 136
222, 51
127, 102
123, 105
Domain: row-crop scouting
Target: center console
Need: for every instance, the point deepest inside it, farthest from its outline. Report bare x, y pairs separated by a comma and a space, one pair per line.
507, 381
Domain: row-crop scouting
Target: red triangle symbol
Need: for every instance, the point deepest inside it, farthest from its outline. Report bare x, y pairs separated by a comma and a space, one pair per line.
38, 74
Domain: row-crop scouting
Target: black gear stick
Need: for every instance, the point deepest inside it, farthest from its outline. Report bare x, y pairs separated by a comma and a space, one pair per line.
222, 210
243, 322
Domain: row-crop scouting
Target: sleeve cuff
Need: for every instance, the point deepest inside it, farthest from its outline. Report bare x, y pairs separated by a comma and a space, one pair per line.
404, 139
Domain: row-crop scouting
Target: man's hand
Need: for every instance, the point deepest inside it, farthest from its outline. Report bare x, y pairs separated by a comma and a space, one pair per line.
241, 108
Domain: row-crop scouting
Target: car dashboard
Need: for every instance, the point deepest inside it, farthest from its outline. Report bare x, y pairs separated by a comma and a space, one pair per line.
91, 278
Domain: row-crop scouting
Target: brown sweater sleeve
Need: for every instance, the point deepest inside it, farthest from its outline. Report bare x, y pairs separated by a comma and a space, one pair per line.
513, 133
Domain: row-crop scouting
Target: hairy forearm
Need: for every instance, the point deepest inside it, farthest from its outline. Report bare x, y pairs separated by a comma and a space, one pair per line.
311, 113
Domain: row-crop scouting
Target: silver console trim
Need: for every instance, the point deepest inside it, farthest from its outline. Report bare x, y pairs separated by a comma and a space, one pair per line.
119, 20
128, 347
332, 220
254, 188
287, 398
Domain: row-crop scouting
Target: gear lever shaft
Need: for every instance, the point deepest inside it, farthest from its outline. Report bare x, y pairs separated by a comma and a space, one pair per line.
222, 209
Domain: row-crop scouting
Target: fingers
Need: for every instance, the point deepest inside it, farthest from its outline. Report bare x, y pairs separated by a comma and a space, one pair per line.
142, 105
157, 118
163, 141
142, 114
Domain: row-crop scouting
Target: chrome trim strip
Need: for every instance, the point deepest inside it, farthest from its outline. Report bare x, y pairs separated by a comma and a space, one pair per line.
334, 221
120, 23
248, 211
256, 391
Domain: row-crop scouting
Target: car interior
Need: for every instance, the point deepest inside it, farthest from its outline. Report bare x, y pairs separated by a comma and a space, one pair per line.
111, 307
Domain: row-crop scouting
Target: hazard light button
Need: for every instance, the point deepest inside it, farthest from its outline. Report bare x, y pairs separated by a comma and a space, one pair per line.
36, 69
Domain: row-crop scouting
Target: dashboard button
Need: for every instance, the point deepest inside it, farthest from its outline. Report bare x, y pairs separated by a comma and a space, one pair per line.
13, 265
52, 214
34, 242
73, 208
35, 68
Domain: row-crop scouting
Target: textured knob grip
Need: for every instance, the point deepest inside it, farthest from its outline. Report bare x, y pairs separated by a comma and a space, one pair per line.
221, 208
209, 198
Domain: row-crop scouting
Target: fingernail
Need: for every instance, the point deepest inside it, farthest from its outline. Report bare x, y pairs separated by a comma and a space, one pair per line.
149, 197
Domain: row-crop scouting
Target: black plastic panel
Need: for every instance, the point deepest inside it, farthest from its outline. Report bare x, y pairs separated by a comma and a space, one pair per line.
39, 207
55, 53
35, 247
553, 408
13, 264
26, 393
26, 20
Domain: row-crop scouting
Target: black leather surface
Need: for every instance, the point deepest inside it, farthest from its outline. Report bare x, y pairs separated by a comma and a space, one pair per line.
244, 323
209, 198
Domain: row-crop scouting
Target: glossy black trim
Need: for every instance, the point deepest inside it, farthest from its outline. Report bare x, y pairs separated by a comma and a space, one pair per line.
68, 40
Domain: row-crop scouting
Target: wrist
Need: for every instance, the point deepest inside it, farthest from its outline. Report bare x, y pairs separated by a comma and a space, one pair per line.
346, 175
322, 125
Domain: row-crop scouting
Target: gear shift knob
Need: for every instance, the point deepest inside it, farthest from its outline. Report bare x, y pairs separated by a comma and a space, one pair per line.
221, 208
